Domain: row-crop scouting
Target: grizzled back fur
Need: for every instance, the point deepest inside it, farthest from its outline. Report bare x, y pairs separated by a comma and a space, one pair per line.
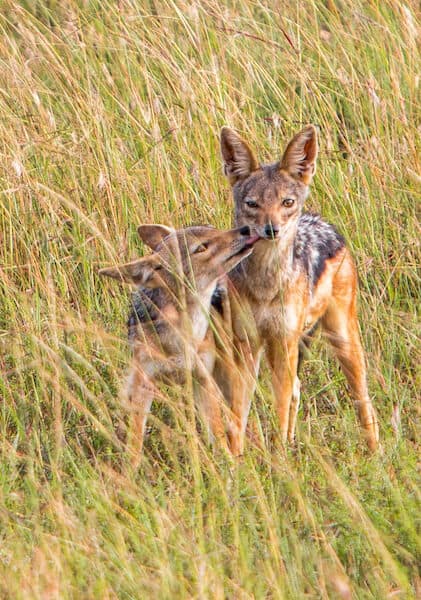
315, 242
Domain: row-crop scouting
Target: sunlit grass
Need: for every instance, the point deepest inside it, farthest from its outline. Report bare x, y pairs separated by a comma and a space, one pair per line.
110, 113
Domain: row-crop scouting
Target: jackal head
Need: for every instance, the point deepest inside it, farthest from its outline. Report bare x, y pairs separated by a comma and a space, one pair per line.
195, 256
270, 198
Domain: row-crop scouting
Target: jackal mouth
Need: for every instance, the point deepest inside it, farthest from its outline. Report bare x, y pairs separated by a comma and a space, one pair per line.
246, 248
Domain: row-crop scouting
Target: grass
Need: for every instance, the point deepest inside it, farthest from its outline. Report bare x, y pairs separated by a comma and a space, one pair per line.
110, 113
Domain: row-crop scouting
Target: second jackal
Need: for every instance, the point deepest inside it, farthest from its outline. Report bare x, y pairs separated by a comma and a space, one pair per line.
169, 324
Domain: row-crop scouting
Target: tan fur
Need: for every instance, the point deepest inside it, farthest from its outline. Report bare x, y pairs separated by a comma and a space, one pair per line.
272, 303
182, 273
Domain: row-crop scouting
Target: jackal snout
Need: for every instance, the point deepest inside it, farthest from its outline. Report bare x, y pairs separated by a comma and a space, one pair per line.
215, 252
240, 242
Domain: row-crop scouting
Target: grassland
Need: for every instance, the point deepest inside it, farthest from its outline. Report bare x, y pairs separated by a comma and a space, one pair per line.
110, 113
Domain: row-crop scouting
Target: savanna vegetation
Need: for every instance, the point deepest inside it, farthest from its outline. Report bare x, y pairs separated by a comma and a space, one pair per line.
110, 114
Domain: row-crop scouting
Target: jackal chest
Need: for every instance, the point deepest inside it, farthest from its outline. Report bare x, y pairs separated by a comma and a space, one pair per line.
277, 312
279, 319
260, 321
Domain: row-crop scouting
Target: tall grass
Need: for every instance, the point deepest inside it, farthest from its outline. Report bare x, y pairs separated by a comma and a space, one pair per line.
110, 113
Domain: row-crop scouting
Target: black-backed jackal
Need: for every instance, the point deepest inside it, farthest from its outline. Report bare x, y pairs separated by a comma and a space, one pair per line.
300, 274
169, 324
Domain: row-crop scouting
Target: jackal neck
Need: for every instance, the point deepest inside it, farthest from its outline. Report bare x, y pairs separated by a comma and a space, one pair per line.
268, 270
156, 310
148, 306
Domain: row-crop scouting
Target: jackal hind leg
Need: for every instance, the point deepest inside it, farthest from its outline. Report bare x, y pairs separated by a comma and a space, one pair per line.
293, 410
303, 347
340, 325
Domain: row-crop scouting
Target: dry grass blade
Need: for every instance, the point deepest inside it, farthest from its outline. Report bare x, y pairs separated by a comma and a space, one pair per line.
110, 116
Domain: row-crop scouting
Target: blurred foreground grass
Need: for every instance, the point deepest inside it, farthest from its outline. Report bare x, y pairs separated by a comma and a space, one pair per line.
110, 113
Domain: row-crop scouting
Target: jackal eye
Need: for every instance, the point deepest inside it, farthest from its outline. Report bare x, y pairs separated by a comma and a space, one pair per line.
201, 248
251, 203
158, 267
288, 202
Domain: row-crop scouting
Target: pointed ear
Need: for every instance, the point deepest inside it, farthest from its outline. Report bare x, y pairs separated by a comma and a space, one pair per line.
239, 160
299, 159
152, 235
138, 271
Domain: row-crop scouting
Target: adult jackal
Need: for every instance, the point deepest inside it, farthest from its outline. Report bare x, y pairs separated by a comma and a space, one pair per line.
300, 274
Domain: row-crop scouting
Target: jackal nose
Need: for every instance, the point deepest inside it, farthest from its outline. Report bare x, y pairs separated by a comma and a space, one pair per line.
271, 230
245, 230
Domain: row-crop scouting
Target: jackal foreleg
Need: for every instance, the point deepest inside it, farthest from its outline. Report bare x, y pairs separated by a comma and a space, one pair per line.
283, 361
243, 383
140, 393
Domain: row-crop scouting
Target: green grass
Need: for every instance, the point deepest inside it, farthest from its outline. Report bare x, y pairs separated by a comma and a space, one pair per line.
110, 113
